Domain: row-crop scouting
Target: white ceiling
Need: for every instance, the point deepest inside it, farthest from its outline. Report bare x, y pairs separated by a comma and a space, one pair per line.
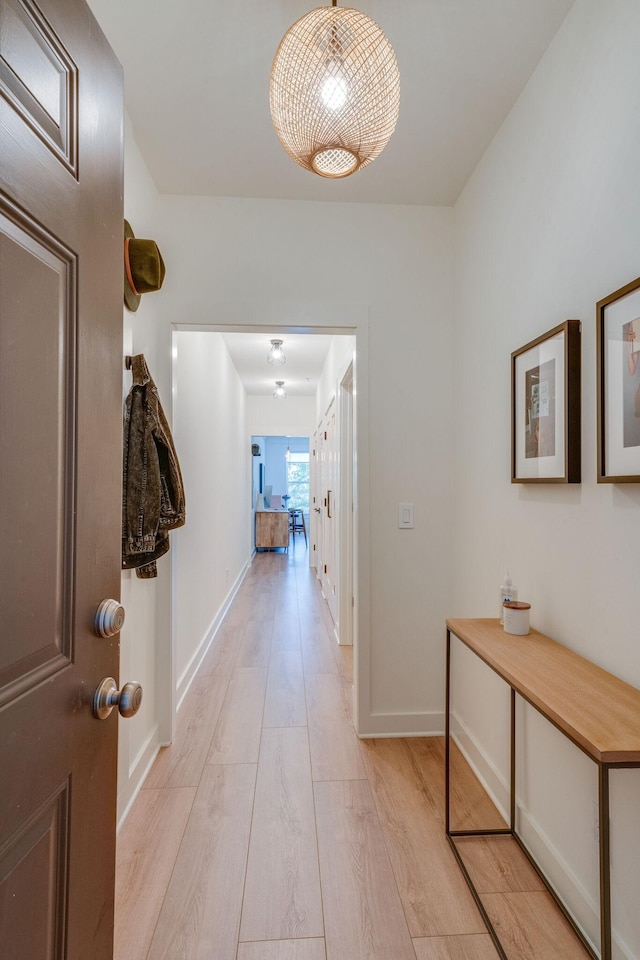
197, 91
305, 356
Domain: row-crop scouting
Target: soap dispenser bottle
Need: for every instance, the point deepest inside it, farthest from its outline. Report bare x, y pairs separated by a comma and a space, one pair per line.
507, 592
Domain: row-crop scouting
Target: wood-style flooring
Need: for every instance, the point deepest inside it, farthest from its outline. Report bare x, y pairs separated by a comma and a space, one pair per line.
268, 831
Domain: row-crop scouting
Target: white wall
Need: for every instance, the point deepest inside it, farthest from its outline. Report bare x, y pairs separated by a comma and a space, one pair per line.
547, 226
244, 263
143, 641
213, 547
269, 417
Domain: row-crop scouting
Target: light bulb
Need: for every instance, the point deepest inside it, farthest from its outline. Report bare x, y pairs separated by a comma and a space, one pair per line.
276, 353
279, 392
334, 92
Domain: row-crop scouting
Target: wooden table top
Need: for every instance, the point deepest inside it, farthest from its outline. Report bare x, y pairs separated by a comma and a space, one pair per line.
598, 711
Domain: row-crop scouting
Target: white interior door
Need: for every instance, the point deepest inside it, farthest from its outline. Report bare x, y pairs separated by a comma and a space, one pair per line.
329, 506
315, 499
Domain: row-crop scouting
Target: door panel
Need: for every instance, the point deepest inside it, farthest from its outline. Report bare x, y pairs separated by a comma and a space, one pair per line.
33, 868
36, 335
39, 78
61, 235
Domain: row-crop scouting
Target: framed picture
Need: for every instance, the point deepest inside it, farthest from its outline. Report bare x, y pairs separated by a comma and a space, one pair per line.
618, 349
545, 408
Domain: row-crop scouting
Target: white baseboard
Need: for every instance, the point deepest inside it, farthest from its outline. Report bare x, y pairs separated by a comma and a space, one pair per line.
560, 876
189, 673
403, 725
491, 778
137, 774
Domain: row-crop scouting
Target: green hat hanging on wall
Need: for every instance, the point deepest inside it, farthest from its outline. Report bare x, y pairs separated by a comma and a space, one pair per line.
143, 268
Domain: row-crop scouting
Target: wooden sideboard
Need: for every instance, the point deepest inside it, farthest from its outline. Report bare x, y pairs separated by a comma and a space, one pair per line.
597, 711
272, 529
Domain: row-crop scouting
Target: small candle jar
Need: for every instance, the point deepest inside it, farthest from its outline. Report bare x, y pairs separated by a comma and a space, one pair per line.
516, 617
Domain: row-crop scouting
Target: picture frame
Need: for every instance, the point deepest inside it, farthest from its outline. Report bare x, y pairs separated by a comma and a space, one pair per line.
618, 385
545, 407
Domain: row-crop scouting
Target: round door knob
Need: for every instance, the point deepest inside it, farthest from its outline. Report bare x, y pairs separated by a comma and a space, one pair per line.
107, 696
109, 618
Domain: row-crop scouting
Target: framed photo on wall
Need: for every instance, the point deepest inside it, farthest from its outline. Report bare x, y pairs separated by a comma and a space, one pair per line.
618, 387
545, 408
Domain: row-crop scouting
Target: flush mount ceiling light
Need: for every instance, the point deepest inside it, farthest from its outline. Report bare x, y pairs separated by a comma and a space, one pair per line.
276, 353
334, 91
279, 392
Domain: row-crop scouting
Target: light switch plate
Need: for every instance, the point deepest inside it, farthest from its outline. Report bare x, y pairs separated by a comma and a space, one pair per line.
405, 516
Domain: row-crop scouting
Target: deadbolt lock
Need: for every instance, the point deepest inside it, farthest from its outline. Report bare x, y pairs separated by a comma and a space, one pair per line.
109, 618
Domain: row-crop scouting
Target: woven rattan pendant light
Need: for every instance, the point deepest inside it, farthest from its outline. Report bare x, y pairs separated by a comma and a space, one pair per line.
334, 91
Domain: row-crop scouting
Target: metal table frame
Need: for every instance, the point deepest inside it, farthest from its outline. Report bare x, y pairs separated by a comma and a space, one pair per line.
603, 816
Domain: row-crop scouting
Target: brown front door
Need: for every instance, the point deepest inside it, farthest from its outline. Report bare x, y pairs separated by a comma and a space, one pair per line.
60, 454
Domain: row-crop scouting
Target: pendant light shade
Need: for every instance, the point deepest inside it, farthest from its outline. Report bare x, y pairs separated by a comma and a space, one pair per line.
334, 91
280, 393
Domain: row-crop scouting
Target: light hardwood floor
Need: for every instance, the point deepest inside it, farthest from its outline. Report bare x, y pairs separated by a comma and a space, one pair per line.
268, 831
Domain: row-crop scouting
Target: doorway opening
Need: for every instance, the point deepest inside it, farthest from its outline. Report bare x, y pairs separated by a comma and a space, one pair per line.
280, 483
280, 470
347, 535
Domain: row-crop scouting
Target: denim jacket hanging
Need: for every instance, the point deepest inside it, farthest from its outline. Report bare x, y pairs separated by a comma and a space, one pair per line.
153, 500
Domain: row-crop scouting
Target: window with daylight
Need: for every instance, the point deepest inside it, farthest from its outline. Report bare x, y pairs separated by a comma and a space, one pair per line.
298, 481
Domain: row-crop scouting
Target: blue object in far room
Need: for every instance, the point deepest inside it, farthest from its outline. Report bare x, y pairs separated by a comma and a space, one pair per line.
267, 495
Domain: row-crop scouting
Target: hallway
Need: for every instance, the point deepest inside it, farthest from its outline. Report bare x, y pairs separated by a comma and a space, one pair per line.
268, 831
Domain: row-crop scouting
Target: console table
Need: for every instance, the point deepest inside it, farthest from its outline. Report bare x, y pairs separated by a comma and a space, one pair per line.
272, 529
598, 712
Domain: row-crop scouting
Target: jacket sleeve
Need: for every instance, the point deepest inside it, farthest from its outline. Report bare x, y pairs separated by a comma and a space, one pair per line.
141, 482
172, 498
